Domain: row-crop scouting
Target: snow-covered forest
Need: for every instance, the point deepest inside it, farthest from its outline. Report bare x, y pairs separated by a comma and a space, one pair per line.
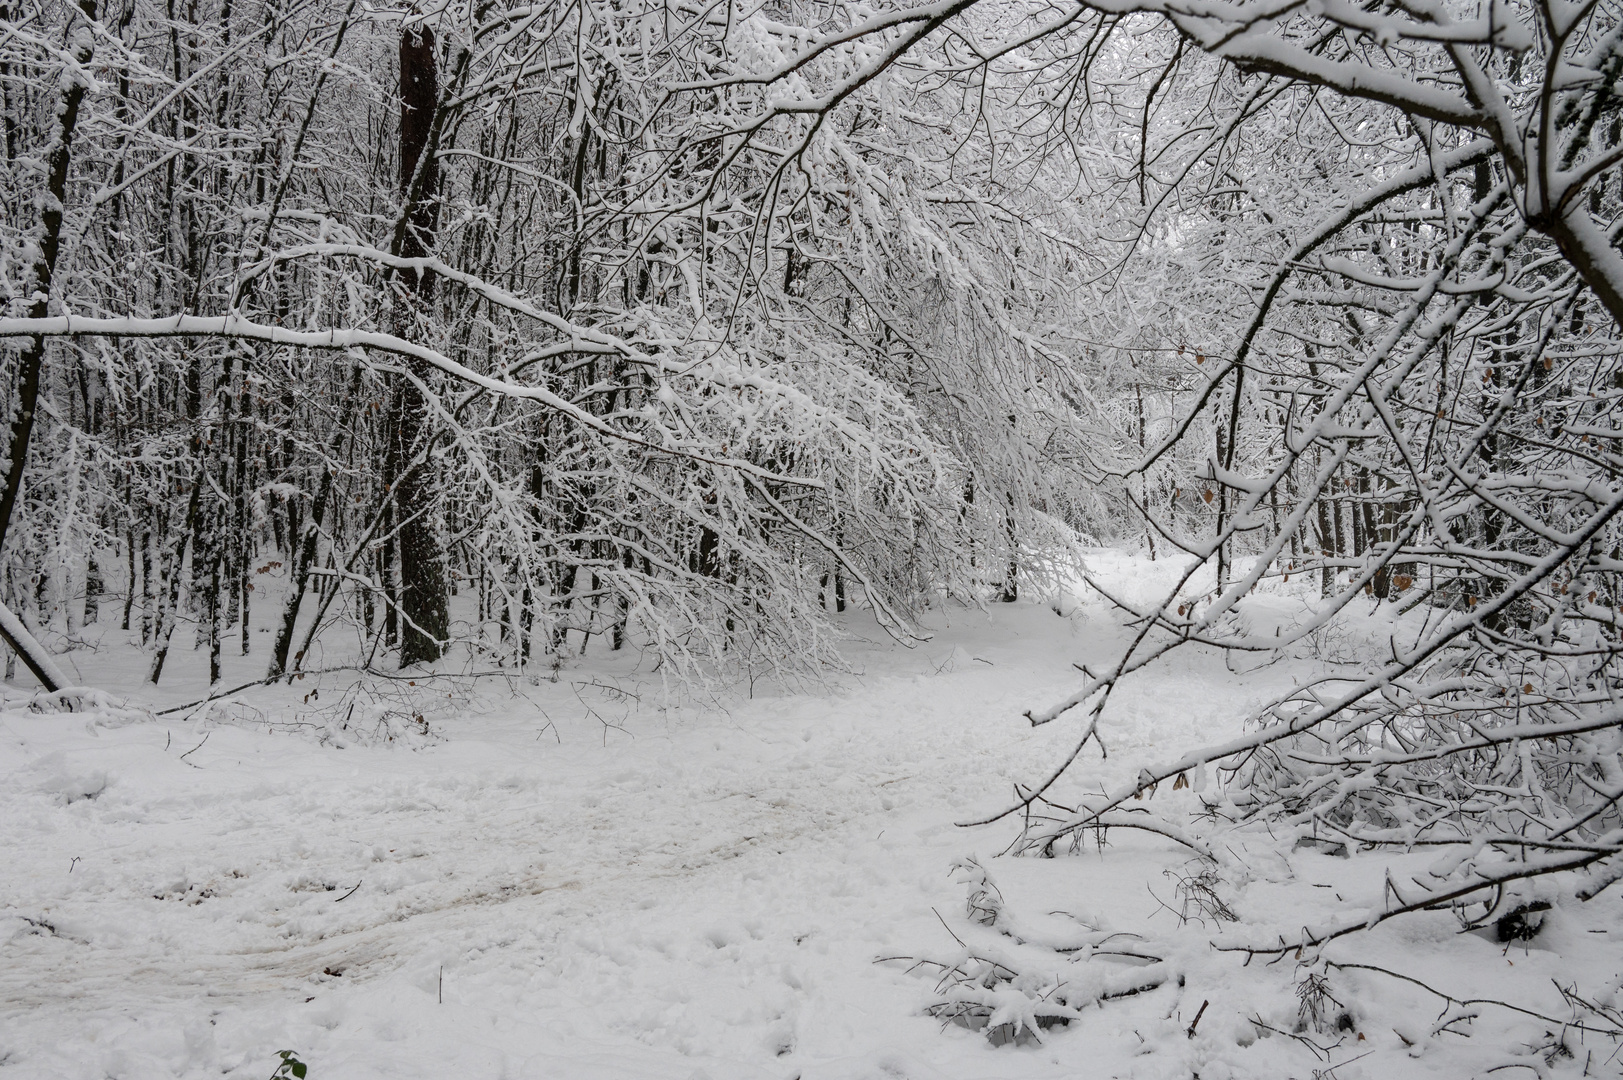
985, 538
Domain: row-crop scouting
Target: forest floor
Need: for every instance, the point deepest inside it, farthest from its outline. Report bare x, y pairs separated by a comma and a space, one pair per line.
571, 879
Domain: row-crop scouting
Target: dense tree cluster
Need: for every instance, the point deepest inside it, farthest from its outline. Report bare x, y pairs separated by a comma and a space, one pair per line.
544, 304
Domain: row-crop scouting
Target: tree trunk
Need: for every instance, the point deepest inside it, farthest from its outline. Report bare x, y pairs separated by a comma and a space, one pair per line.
146, 586
1011, 572
298, 577
34, 656
95, 587
129, 579
170, 601
424, 602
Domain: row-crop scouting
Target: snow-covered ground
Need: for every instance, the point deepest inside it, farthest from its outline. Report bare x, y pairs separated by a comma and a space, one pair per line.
568, 879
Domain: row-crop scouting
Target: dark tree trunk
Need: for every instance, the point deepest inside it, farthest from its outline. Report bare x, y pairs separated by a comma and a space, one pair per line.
146, 582
146, 585
424, 601
129, 578
212, 612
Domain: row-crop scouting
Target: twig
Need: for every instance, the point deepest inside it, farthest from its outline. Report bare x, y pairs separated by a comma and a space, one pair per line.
948, 929
392, 676
196, 748
1332, 1069
1613, 1032
351, 892
1320, 1051
1196, 1020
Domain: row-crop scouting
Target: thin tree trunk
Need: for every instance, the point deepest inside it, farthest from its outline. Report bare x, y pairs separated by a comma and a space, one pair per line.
212, 612
304, 559
1328, 546
146, 585
169, 602
94, 588
129, 581
1011, 572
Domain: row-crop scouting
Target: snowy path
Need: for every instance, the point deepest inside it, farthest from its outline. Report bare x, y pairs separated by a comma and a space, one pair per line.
700, 893
694, 896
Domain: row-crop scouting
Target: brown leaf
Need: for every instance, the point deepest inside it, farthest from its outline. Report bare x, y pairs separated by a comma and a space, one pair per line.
1207, 494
